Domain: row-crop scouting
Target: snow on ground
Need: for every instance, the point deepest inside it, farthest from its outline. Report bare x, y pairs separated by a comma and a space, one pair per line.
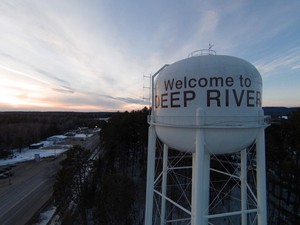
29, 154
46, 216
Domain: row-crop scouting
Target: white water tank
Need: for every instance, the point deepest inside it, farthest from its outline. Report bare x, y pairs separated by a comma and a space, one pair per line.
220, 94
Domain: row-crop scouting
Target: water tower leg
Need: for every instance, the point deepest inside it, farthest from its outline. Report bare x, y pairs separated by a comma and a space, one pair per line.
164, 185
150, 175
261, 177
200, 186
243, 178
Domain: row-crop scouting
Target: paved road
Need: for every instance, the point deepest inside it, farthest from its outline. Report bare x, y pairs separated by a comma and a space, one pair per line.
30, 188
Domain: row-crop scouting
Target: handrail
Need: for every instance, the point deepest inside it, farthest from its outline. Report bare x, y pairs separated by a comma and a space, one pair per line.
202, 52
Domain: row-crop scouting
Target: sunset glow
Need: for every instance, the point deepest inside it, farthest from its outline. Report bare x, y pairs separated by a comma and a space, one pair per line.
98, 55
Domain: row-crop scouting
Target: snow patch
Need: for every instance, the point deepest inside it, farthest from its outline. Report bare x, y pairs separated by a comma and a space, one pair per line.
30, 154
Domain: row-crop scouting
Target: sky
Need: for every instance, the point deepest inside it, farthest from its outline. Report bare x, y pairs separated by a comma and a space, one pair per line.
97, 55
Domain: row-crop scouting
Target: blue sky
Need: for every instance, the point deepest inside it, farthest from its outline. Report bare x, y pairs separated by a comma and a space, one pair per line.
91, 55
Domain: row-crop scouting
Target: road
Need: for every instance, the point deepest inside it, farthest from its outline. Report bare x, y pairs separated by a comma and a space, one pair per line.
27, 191
30, 188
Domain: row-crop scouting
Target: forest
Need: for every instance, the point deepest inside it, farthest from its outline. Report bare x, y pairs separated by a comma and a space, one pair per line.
113, 193
116, 194
283, 166
20, 129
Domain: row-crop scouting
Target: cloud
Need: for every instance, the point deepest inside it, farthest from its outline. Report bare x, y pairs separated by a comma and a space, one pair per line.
274, 64
20, 73
64, 90
296, 67
64, 84
128, 100
94, 54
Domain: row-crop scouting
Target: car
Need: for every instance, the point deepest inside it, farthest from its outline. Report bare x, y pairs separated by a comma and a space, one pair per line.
9, 173
6, 172
4, 169
3, 176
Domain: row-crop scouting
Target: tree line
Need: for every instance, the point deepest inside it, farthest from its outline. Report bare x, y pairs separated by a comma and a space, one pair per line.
283, 166
113, 193
116, 192
20, 129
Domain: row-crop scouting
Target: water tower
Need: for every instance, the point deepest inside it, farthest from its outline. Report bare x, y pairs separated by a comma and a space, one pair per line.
204, 106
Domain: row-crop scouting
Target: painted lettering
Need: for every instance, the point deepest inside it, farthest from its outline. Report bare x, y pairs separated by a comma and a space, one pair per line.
250, 98
169, 84
188, 96
213, 95
164, 100
192, 83
157, 101
229, 81
173, 99
258, 99
216, 82
178, 84
238, 99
